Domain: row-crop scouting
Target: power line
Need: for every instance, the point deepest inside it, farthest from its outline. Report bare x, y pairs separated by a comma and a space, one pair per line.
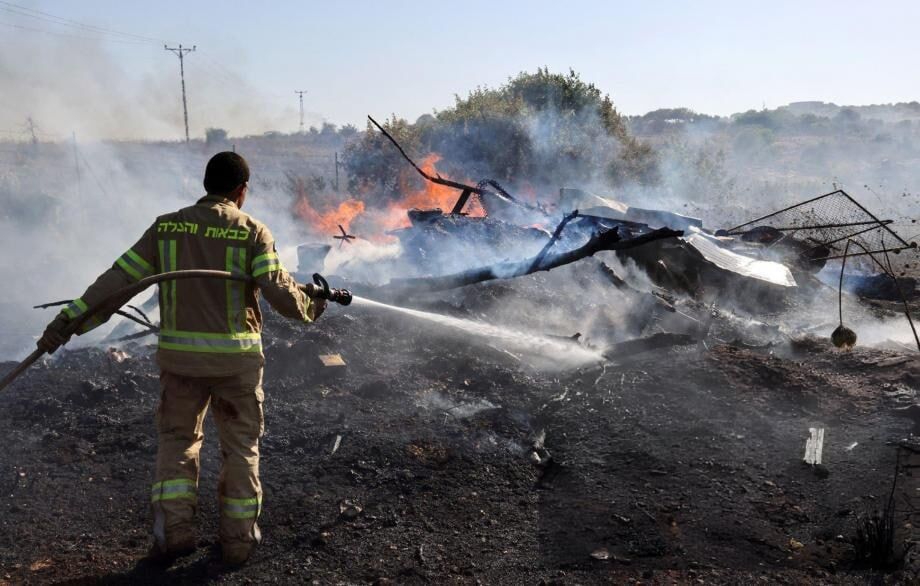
180, 52
48, 17
219, 73
94, 176
60, 34
210, 75
210, 71
229, 75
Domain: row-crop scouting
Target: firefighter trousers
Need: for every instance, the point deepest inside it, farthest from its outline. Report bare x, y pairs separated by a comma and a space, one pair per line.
237, 408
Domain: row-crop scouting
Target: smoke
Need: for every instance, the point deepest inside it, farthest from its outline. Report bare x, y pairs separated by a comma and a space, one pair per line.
733, 169
76, 85
70, 210
68, 213
364, 261
80, 179
60, 232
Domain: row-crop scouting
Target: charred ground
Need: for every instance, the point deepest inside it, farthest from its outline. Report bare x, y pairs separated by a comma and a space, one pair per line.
430, 458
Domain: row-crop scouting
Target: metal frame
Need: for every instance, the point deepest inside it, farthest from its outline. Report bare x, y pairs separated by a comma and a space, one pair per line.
874, 224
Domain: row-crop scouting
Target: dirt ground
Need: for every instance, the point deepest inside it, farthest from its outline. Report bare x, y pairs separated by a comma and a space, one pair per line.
433, 459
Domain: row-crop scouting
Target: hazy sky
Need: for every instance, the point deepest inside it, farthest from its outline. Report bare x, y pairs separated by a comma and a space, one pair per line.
359, 58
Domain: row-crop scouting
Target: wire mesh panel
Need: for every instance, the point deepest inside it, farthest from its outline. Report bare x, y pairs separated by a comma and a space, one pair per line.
824, 224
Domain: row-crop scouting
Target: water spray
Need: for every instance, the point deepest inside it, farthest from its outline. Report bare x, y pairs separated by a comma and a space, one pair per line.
568, 352
318, 289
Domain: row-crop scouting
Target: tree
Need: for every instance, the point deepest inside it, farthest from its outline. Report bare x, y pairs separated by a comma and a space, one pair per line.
328, 129
372, 164
541, 128
214, 136
348, 132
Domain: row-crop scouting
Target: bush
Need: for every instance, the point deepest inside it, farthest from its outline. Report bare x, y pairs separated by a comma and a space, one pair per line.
541, 128
214, 136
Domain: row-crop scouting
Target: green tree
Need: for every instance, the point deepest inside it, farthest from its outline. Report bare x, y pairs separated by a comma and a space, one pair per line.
372, 164
541, 128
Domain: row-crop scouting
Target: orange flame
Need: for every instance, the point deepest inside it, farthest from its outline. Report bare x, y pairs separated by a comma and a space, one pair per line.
393, 215
329, 221
527, 192
429, 197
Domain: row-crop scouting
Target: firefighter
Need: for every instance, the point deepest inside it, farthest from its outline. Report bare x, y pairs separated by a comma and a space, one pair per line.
209, 353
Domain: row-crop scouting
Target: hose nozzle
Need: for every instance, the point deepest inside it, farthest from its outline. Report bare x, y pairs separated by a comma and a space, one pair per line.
319, 289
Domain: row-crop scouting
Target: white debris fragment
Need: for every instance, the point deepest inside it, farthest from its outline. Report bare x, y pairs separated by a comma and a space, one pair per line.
765, 270
332, 359
814, 446
601, 554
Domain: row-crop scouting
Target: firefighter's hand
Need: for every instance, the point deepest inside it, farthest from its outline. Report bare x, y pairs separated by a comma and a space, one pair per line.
319, 306
54, 337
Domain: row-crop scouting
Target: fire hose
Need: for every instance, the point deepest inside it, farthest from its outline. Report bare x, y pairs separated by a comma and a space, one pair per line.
319, 289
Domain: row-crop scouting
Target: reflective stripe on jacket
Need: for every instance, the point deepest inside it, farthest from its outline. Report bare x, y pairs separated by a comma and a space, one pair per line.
209, 327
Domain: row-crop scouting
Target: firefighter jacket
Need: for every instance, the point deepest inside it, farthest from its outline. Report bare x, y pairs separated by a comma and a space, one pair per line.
208, 327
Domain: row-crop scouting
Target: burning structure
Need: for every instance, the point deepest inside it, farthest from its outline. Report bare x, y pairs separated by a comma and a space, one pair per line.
558, 388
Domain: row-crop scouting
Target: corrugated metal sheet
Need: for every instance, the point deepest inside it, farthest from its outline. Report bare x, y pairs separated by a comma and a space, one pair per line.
764, 270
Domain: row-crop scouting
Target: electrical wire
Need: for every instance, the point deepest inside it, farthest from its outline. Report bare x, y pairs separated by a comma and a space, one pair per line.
61, 21
71, 36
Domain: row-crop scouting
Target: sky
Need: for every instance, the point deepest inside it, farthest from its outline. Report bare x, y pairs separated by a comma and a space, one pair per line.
409, 58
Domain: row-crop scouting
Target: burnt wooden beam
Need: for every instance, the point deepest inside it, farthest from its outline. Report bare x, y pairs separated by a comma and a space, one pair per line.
461, 203
466, 190
556, 234
609, 240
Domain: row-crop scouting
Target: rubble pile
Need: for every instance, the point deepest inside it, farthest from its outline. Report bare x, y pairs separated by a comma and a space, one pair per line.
431, 457
397, 451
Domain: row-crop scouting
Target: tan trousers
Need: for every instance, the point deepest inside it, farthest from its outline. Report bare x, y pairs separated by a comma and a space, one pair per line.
184, 400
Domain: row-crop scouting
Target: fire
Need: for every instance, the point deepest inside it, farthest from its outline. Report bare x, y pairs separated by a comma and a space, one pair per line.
329, 221
391, 216
527, 192
430, 196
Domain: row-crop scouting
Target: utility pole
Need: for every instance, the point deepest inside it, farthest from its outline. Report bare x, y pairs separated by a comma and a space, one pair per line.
32, 129
301, 93
180, 51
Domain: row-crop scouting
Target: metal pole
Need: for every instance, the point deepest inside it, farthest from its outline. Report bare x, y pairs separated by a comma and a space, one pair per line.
301, 93
184, 101
180, 51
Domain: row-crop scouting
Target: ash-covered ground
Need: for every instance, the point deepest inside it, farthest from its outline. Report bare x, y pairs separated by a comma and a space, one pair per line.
441, 457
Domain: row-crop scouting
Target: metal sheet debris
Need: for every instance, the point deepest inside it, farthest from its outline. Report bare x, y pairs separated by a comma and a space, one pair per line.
572, 199
709, 247
592, 204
